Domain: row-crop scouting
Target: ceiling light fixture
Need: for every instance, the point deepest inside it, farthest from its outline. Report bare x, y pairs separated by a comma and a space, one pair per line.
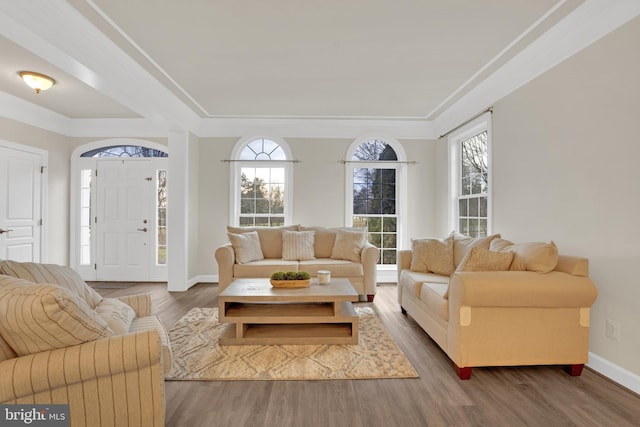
37, 81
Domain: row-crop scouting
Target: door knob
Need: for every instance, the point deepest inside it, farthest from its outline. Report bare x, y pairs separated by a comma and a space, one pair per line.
4, 231
143, 229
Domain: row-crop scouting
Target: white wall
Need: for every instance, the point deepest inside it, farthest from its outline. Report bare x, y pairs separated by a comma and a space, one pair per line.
565, 167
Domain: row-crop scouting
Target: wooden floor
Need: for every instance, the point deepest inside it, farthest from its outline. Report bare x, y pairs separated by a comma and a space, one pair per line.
526, 396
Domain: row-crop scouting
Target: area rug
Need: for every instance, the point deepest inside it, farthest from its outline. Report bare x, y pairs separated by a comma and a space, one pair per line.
197, 355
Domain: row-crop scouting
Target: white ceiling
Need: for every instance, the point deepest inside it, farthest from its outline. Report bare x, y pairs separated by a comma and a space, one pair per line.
189, 61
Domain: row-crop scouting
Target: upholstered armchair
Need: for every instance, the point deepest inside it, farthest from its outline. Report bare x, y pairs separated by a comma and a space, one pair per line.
62, 343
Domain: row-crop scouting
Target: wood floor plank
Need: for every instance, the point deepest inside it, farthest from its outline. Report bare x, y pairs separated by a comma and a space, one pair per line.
542, 396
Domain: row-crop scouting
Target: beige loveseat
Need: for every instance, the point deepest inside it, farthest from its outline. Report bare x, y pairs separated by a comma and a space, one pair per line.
533, 309
62, 343
344, 252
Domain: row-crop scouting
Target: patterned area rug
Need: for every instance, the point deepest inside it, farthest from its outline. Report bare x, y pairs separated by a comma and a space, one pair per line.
197, 356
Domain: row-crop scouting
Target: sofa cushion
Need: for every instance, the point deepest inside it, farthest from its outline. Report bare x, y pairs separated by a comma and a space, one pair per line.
40, 317
432, 255
270, 238
412, 281
531, 256
263, 268
117, 314
297, 245
480, 259
147, 323
348, 244
337, 267
54, 274
432, 294
246, 247
462, 244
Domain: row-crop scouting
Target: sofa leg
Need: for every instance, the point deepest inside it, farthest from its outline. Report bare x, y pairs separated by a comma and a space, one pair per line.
463, 373
370, 298
574, 370
402, 310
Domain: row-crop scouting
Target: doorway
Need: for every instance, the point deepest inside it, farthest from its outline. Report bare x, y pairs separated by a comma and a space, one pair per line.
119, 212
22, 172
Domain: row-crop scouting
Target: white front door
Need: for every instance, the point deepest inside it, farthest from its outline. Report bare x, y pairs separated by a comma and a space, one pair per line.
123, 219
20, 205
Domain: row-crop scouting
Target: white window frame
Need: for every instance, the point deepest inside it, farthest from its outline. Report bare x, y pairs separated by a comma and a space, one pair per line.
386, 272
454, 140
236, 168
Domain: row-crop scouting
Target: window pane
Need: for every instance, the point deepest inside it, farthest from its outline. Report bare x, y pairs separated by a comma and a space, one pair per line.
390, 224
483, 207
473, 206
463, 207
375, 239
389, 241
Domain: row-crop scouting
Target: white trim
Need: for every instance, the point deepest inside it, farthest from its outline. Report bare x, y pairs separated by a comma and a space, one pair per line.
470, 129
44, 192
614, 372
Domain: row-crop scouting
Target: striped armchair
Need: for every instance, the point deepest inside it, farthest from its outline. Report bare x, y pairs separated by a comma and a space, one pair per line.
62, 343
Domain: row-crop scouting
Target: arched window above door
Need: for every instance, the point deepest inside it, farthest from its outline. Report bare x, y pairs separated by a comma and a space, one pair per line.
124, 151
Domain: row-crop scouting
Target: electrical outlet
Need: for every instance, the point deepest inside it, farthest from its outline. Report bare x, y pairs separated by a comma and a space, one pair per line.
613, 329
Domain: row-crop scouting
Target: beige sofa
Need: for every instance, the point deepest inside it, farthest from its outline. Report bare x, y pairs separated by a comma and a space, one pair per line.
62, 343
350, 258
534, 313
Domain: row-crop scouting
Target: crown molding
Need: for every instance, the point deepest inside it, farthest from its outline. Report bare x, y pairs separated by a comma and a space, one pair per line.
50, 29
587, 23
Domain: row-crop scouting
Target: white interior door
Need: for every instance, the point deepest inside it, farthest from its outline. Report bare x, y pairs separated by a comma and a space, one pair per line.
20, 205
123, 214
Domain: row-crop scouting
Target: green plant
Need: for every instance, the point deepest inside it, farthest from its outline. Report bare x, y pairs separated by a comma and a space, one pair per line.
290, 275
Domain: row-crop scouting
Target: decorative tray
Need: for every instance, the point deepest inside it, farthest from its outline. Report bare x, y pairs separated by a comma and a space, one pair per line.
290, 283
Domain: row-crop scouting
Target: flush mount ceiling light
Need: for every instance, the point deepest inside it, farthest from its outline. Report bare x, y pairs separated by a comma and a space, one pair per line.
37, 81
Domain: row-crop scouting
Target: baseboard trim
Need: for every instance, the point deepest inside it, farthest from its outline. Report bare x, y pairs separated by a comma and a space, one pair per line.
211, 278
614, 372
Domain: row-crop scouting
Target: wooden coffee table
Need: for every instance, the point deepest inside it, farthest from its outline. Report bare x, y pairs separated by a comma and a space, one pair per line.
260, 314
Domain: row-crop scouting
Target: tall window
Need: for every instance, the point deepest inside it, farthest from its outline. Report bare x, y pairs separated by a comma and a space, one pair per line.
262, 176
374, 173
469, 155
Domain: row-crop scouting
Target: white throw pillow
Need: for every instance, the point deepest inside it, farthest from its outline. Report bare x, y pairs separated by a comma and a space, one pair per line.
298, 245
117, 314
246, 247
348, 245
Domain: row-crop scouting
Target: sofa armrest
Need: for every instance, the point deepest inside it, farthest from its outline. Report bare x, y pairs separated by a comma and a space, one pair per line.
141, 303
226, 257
521, 289
369, 257
105, 382
403, 261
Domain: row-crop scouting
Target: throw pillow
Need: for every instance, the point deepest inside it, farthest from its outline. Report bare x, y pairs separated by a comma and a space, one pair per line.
531, 256
52, 273
480, 259
117, 314
298, 245
348, 245
246, 246
270, 238
462, 244
41, 317
432, 255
